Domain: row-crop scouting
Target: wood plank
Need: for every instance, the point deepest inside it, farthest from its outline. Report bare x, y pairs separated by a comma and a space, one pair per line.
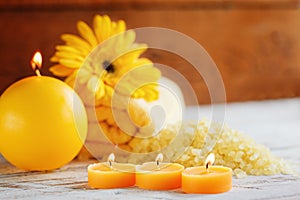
70, 182
147, 5
256, 51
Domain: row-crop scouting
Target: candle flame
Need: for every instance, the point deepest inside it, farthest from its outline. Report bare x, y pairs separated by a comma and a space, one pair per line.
159, 158
209, 160
36, 63
110, 159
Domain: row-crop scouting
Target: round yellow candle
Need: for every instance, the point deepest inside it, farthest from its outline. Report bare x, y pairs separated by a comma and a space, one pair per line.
159, 176
207, 179
115, 175
43, 123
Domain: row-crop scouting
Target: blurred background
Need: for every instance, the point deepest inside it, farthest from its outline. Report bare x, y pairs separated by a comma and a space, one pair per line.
254, 43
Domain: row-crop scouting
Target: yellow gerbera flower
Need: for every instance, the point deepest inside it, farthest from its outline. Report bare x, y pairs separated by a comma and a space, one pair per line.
116, 55
101, 62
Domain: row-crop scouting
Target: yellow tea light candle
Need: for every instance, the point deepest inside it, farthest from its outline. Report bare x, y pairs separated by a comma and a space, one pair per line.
111, 174
43, 122
159, 176
207, 179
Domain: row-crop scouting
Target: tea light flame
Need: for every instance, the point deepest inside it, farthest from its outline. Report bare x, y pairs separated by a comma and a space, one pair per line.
36, 63
159, 158
209, 160
110, 159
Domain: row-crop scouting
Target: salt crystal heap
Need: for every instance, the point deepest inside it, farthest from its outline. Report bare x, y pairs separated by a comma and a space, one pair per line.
231, 148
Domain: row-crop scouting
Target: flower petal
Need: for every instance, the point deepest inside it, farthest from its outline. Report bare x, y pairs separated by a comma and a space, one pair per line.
120, 27
70, 80
70, 63
68, 55
87, 33
98, 28
60, 70
77, 43
106, 27
100, 90
69, 49
92, 84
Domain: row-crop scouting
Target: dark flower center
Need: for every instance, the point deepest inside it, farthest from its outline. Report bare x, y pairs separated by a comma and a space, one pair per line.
108, 66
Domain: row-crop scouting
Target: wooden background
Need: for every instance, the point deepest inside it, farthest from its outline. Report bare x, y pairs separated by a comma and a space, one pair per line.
255, 43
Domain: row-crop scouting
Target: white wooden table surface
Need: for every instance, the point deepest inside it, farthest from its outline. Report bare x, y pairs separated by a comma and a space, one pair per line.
276, 124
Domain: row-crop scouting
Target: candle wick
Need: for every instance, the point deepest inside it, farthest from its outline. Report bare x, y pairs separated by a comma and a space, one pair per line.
111, 158
157, 163
37, 72
35, 66
209, 160
159, 158
206, 166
